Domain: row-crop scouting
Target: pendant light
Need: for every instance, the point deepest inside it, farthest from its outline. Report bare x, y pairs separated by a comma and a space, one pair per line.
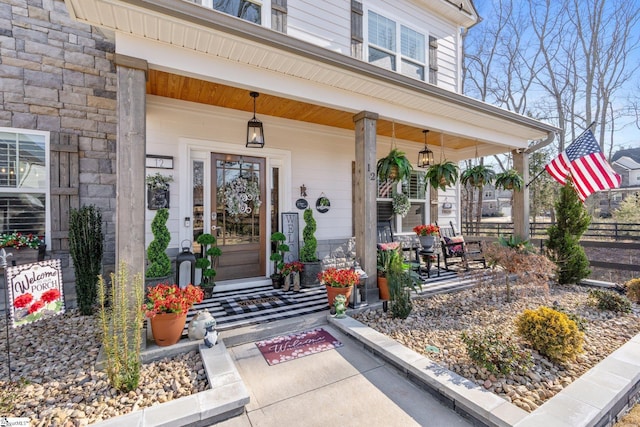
255, 132
425, 157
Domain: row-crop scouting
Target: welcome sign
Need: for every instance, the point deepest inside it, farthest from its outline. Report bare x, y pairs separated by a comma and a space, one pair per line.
35, 291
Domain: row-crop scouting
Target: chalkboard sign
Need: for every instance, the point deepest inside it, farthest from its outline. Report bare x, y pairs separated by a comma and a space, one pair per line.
291, 229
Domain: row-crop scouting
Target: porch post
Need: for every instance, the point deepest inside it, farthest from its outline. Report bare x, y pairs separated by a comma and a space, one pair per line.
365, 188
130, 162
520, 208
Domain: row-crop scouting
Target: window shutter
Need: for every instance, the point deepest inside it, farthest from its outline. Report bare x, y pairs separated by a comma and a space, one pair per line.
433, 60
357, 32
279, 15
64, 185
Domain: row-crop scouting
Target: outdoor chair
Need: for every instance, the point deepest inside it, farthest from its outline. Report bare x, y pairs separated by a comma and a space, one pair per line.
458, 251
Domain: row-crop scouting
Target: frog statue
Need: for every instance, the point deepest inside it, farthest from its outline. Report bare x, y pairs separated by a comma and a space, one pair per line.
340, 304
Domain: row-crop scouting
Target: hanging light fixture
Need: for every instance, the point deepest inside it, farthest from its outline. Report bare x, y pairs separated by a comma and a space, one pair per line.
255, 132
425, 157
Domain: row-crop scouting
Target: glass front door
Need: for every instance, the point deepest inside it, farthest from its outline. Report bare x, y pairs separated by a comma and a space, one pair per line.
238, 218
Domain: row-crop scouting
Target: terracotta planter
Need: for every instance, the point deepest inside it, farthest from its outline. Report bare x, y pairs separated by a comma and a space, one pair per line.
383, 288
332, 292
167, 328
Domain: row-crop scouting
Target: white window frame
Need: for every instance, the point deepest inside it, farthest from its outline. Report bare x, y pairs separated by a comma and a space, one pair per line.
46, 190
397, 53
397, 219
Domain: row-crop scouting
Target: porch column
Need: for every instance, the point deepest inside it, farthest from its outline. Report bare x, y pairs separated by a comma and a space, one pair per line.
130, 162
365, 188
520, 208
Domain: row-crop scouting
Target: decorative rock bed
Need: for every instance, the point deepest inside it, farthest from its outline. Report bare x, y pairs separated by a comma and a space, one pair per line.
434, 326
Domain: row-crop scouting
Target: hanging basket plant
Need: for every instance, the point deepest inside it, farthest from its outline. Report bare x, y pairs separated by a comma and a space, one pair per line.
394, 167
509, 180
442, 175
477, 176
401, 204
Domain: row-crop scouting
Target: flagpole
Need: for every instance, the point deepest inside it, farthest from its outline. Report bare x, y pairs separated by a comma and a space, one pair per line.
578, 137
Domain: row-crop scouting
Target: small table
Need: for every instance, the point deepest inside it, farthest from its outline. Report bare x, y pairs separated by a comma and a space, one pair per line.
427, 254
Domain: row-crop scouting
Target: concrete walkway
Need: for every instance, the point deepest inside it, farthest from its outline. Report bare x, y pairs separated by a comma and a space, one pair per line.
347, 386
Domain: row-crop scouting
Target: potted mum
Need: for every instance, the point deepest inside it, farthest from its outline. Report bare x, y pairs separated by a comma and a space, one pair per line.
338, 282
167, 307
427, 234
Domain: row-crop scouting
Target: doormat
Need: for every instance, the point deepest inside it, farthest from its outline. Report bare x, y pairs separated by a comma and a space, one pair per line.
290, 347
255, 303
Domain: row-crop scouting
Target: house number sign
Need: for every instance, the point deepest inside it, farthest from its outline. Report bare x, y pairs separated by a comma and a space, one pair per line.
159, 162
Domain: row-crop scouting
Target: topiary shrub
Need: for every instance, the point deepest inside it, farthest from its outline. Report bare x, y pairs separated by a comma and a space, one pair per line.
159, 262
551, 332
85, 246
608, 300
632, 288
495, 352
310, 246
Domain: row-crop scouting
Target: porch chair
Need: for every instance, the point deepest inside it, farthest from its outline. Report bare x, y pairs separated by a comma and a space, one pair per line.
385, 235
458, 251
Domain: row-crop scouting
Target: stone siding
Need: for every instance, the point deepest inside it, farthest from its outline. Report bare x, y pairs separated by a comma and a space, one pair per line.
57, 75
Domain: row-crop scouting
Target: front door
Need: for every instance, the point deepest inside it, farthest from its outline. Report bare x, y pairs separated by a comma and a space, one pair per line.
238, 218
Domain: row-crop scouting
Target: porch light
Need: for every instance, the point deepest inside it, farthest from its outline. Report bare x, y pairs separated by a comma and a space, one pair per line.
425, 157
255, 132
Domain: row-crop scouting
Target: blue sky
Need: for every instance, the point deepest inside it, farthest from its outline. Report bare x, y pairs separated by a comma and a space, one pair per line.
627, 134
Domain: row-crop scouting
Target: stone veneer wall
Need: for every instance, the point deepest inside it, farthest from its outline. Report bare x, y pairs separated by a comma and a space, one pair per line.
57, 75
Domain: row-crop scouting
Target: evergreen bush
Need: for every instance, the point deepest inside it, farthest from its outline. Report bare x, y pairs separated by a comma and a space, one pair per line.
121, 325
551, 332
159, 261
632, 288
495, 352
310, 246
563, 245
608, 300
86, 249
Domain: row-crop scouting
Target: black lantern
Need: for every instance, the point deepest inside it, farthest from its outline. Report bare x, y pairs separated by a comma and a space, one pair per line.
425, 157
255, 132
185, 256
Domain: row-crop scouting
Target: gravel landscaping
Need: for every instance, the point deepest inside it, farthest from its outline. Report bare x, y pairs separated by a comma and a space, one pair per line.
435, 324
53, 362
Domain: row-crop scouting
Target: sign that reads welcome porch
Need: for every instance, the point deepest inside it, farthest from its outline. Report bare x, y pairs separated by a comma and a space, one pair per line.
35, 291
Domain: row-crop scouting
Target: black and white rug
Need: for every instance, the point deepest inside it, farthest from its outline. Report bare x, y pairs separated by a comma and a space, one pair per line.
261, 304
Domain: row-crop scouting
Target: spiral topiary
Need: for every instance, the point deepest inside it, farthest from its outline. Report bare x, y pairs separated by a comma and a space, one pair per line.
308, 251
159, 262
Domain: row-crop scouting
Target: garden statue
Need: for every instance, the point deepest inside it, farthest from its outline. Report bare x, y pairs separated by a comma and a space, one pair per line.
199, 323
340, 303
211, 336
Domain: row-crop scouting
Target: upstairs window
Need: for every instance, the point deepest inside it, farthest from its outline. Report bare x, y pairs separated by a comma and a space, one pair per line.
279, 15
243, 9
413, 53
382, 41
414, 56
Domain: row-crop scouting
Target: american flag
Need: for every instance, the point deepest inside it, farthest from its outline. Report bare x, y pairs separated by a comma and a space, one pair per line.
584, 161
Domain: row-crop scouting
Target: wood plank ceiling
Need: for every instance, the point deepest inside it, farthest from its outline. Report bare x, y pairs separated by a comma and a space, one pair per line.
186, 88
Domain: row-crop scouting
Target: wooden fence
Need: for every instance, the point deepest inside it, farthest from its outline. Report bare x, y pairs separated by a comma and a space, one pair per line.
609, 245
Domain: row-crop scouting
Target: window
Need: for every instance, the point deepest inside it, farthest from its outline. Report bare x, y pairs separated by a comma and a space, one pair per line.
383, 50
23, 181
244, 9
413, 51
382, 41
414, 187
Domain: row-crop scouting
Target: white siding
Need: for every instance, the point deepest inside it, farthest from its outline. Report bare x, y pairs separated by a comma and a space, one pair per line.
320, 159
325, 23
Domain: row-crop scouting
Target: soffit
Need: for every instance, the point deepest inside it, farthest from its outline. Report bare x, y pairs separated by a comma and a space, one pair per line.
203, 30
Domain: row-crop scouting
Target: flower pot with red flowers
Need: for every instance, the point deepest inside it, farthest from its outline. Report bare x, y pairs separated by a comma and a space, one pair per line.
167, 307
338, 282
24, 248
427, 234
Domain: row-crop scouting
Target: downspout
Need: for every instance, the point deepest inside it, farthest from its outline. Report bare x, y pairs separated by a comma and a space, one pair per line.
541, 144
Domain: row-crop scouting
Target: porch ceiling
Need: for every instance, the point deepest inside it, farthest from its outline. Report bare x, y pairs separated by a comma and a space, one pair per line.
178, 24
186, 88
